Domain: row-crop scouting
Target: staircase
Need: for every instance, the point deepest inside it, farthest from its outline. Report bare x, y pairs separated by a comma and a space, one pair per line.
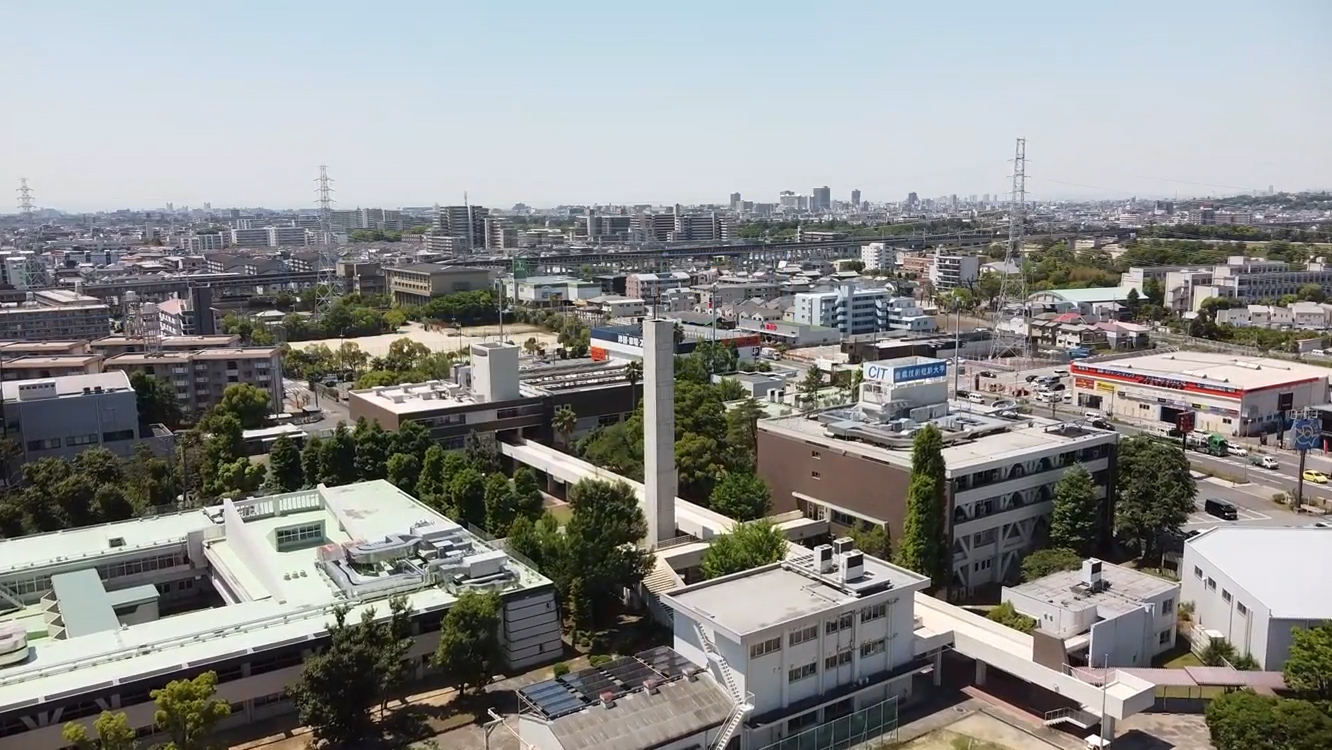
1075, 716
743, 702
659, 580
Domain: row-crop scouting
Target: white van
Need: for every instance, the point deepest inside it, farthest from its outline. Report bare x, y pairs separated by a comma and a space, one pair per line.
976, 398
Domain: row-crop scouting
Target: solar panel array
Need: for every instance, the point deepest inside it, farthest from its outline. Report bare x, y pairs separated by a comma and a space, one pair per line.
572, 692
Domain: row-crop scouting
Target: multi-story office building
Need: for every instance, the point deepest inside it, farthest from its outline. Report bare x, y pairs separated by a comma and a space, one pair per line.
110, 613
288, 237
878, 256
820, 199
1001, 472
64, 416
604, 227
499, 233
1250, 280
730, 290
700, 227
39, 320
24, 270
650, 286
650, 227
802, 646
417, 284
855, 200
383, 219
201, 377
495, 397
254, 237
953, 271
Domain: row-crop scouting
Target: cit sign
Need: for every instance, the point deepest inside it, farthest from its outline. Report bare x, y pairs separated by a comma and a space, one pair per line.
906, 373
1307, 434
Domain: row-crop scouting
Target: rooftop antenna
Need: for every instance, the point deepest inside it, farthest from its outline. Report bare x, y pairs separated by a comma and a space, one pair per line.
327, 288
1014, 285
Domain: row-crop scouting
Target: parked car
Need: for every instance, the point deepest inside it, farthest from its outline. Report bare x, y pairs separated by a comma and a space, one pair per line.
1061, 373
976, 397
987, 374
1031, 378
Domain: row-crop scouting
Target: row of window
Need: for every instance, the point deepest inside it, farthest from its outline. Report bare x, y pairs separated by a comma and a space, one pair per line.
1211, 586
844, 621
42, 583
50, 444
295, 536
840, 659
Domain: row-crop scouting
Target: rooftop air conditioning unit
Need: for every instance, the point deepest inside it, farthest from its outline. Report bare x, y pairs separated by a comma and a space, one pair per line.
842, 545
853, 566
823, 558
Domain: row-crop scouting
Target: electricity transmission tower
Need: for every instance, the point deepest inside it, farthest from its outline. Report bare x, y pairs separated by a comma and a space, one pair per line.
1014, 285
26, 207
327, 285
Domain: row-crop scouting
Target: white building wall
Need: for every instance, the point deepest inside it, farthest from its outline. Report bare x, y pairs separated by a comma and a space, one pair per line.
1207, 587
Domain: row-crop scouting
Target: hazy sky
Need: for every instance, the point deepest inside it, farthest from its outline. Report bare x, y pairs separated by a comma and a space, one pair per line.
133, 103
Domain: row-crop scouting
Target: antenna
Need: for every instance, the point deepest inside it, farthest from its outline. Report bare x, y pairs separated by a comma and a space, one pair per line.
1011, 286
327, 286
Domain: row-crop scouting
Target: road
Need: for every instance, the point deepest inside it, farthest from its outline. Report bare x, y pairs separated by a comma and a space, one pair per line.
298, 395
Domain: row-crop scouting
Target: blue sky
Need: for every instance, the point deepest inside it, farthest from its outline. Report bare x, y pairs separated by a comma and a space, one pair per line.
136, 103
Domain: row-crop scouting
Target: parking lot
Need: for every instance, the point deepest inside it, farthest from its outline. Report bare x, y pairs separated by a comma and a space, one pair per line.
1246, 515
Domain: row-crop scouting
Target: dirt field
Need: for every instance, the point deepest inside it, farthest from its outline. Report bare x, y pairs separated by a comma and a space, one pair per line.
979, 732
377, 346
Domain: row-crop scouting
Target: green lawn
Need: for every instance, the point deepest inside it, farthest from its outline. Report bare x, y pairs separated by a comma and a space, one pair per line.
562, 513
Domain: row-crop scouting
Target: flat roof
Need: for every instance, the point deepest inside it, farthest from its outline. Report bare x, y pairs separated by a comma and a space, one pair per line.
433, 269
69, 385
1126, 589
1248, 373
1021, 438
57, 360
763, 598
291, 596
1287, 569
642, 720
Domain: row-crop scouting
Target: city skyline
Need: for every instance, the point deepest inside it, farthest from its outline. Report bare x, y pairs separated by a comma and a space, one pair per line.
1113, 103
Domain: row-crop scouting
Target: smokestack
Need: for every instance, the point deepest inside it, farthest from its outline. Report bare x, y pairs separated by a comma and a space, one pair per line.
659, 478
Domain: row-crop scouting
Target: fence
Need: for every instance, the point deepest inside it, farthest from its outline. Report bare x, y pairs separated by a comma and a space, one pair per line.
866, 725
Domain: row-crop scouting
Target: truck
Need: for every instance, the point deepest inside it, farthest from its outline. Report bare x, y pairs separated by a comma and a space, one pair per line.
1266, 462
1203, 442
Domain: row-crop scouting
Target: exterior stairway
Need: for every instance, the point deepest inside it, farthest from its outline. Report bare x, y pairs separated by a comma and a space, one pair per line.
744, 702
660, 579
1075, 716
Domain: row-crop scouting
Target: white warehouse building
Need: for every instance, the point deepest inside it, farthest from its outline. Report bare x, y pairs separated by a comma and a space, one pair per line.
1253, 586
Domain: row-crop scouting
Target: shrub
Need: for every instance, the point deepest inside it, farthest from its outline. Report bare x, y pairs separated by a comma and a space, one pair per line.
560, 669
597, 660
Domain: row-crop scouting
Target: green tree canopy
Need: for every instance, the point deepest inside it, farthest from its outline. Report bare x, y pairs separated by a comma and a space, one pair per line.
111, 731
248, 403
924, 547
1308, 668
872, 539
469, 645
1075, 522
741, 496
1042, 563
1242, 720
1006, 615
188, 712
156, 403
1155, 493
747, 546
284, 466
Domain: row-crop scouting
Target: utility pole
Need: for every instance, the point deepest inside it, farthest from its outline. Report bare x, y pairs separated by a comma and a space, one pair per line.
327, 286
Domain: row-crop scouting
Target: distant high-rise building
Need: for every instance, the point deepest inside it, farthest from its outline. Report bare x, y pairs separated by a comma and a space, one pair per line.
787, 199
855, 200
912, 200
736, 202
952, 201
820, 199
463, 223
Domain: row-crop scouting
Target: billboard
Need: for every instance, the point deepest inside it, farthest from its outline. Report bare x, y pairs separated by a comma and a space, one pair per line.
905, 373
1308, 434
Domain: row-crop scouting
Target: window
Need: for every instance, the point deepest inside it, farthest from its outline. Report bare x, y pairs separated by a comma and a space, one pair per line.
1211, 584
295, 536
770, 646
1167, 606
870, 648
815, 454
1239, 607
874, 613
814, 474
839, 659
1225, 596
44, 445
74, 440
843, 622
796, 674
804, 634
1163, 638
982, 565
802, 722
117, 435
1197, 572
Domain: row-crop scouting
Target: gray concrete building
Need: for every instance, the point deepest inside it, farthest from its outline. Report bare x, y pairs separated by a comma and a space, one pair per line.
61, 417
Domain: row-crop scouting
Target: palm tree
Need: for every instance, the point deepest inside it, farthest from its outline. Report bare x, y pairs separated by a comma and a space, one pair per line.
564, 423
633, 372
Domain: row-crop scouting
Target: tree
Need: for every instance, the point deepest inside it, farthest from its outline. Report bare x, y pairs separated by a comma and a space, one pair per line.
1042, 563
188, 712
156, 403
699, 463
469, 646
373, 445
411, 438
501, 505
527, 493
633, 372
742, 433
467, 496
564, 423
1217, 653
404, 470
248, 403
432, 486
339, 464
482, 454
872, 539
312, 460
150, 481
284, 466
741, 496
1308, 669
1006, 615
747, 546
338, 686
1243, 720
924, 547
602, 538
1155, 493
1075, 520
113, 733
810, 385
1312, 293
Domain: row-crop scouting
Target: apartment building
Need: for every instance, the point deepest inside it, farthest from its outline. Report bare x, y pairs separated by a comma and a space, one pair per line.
288, 237
651, 286
730, 291
953, 271
200, 377
256, 237
110, 346
203, 242
48, 366
855, 310
1307, 316
64, 416
383, 219
37, 321
465, 225
851, 465
417, 284
878, 256
499, 233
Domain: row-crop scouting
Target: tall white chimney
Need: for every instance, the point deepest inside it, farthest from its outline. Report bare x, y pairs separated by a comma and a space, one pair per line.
659, 478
